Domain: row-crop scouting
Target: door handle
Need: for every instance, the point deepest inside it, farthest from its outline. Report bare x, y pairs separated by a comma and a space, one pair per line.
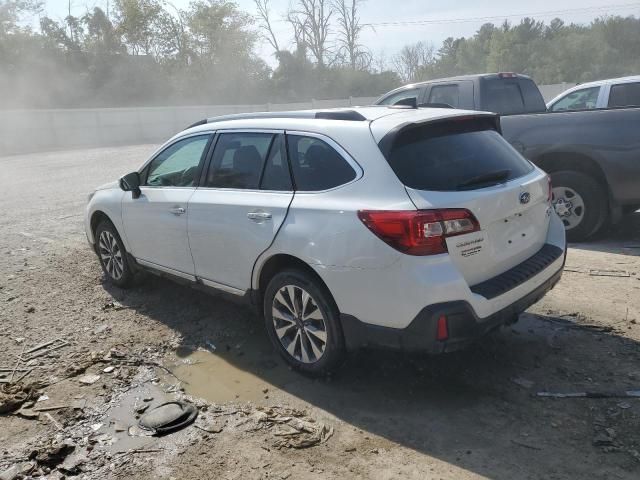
177, 210
259, 216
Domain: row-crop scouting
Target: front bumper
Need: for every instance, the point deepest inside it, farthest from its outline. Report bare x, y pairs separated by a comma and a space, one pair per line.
464, 325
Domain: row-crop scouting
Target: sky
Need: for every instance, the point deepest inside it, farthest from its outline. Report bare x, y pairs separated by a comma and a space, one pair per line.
442, 18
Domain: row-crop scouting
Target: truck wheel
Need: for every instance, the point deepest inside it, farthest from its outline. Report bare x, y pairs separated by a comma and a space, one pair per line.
303, 322
580, 202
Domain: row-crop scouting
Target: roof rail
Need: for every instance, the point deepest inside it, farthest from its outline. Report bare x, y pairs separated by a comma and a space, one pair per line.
349, 115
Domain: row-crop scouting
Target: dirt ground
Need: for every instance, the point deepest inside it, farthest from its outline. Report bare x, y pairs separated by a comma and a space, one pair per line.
384, 415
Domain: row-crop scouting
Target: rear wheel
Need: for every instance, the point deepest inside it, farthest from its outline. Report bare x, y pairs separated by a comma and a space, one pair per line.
580, 202
112, 255
303, 322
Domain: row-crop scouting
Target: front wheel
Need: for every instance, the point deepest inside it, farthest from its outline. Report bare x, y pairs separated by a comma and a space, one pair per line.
303, 322
112, 255
580, 202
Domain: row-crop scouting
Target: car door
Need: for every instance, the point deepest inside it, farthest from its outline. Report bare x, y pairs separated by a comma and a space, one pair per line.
235, 215
155, 223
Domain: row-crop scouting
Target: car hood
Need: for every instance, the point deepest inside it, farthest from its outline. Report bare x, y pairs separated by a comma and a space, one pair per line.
108, 186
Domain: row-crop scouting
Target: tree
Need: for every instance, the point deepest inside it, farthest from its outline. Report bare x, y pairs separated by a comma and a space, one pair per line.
412, 59
310, 20
137, 22
349, 29
265, 23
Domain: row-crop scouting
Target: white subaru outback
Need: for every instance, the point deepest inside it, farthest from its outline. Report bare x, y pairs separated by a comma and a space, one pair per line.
420, 229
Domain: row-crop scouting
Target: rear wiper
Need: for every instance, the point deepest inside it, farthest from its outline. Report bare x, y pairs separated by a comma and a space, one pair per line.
497, 176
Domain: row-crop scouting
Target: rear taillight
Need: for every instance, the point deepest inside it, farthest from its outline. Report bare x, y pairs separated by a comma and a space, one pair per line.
419, 232
550, 192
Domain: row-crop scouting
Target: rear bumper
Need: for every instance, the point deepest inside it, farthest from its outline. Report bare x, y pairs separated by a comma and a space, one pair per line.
464, 325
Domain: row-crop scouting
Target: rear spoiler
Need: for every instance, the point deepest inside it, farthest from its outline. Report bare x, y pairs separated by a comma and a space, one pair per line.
491, 121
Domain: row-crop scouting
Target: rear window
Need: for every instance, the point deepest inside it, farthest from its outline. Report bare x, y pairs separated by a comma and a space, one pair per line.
511, 96
625, 94
454, 157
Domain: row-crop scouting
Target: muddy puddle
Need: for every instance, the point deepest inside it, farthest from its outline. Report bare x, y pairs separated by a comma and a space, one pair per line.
235, 373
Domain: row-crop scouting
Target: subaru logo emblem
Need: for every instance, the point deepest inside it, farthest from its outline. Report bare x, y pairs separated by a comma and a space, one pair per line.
525, 197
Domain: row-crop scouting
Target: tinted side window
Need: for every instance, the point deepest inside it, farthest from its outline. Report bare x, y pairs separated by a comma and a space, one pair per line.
396, 97
449, 94
238, 160
584, 99
625, 94
316, 165
276, 175
177, 165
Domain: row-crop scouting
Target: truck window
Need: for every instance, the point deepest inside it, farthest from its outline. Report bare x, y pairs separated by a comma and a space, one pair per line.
625, 95
502, 96
449, 94
404, 94
585, 99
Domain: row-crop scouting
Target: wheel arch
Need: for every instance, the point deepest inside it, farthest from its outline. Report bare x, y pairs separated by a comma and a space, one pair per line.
99, 215
277, 263
578, 162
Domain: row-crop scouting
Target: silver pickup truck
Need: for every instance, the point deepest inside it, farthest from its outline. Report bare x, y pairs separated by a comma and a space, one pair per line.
593, 156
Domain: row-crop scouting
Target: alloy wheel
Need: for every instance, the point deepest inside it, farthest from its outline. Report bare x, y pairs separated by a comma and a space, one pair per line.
299, 324
110, 255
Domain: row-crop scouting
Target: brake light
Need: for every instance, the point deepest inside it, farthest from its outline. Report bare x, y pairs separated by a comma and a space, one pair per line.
507, 75
442, 330
550, 192
419, 232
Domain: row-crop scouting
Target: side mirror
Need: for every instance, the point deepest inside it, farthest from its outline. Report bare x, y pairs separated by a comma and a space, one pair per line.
131, 183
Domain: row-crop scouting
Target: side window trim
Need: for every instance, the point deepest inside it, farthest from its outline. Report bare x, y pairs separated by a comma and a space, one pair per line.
144, 170
337, 147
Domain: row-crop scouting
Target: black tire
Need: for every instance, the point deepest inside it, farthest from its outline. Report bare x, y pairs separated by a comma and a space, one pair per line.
125, 279
334, 350
595, 201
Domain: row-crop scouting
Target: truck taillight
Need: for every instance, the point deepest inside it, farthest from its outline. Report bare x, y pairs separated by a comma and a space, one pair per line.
419, 232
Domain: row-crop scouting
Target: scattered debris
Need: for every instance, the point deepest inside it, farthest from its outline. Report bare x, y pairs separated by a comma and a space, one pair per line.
523, 382
10, 473
602, 439
55, 455
296, 430
101, 329
168, 417
89, 379
610, 394
109, 369
44, 349
53, 421
609, 273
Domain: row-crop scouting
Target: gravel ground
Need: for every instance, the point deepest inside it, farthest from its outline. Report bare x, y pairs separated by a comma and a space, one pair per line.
384, 415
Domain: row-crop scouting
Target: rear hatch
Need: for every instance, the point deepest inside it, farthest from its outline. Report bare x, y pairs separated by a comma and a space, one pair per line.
464, 163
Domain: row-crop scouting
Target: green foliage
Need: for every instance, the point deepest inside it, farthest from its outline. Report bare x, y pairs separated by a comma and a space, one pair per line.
552, 53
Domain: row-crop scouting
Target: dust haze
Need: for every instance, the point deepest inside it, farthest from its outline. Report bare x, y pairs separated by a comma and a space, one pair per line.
150, 53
